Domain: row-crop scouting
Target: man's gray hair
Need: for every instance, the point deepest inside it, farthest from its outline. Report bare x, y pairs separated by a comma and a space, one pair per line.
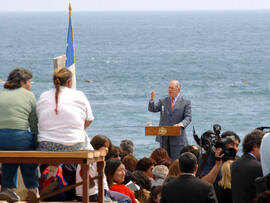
127, 146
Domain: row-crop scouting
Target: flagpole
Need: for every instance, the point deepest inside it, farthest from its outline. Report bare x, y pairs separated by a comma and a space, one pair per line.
70, 17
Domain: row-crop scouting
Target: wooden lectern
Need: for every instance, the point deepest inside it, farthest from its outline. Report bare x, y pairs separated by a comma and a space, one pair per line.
162, 131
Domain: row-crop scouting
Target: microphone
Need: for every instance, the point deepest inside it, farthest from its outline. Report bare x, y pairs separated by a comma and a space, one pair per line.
162, 110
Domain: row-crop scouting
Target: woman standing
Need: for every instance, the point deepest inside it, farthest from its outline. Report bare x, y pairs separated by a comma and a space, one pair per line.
17, 114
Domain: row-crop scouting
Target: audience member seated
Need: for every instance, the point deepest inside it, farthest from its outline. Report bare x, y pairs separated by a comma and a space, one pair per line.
130, 162
143, 194
146, 165
174, 169
18, 114
263, 197
161, 157
98, 142
127, 147
246, 169
114, 153
160, 172
188, 188
224, 192
155, 194
115, 172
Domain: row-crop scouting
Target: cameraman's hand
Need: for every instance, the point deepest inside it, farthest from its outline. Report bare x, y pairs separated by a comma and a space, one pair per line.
218, 156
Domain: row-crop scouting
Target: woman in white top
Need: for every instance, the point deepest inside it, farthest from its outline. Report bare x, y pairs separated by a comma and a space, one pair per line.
63, 115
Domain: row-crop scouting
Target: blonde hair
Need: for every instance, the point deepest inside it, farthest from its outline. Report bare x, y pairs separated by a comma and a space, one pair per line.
225, 182
60, 78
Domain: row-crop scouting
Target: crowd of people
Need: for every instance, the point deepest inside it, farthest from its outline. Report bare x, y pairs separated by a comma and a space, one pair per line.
210, 171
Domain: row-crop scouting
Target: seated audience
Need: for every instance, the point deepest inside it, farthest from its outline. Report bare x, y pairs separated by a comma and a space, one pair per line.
143, 194
18, 114
114, 153
155, 194
127, 147
98, 142
246, 169
130, 162
161, 157
146, 165
160, 172
188, 188
115, 173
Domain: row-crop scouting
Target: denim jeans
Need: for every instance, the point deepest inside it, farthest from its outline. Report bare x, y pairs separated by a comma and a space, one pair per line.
18, 140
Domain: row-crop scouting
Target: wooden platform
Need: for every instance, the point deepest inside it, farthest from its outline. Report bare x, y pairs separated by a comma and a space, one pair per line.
75, 157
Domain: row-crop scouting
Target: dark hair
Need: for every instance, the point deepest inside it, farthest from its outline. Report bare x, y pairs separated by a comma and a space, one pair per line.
144, 164
113, 152
263, 197
17, 76
230, 133
99, 140
130, 162
160, 155
127, 146
142, 180
60, 78
154, 193
187, 162
190, 148
110, 168
252, 139
129, 177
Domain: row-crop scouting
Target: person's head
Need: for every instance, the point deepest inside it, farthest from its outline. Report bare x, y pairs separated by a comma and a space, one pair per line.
188, 163
114, 153
142, 180
155, 194
19, 77
263, 197
252, 143
100, 141
160, 156
127, 146
174, 88
160, 172
225, 181
146, 165
115, 172
130, 162
174, 169
235, 141
190, 148
61, 77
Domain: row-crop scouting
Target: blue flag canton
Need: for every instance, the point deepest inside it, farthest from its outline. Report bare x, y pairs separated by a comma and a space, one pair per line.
69, 50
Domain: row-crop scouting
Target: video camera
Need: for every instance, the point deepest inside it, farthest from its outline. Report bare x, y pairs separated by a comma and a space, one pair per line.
265, 129
211, 140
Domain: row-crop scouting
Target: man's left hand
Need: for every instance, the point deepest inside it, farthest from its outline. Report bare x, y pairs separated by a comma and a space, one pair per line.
178, 125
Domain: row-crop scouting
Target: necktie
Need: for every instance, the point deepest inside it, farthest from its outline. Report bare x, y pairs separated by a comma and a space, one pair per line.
172, 103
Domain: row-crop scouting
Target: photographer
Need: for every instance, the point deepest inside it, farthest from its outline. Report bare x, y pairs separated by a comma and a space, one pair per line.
226, 149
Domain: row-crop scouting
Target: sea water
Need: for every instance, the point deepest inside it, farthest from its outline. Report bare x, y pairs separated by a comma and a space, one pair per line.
221, 59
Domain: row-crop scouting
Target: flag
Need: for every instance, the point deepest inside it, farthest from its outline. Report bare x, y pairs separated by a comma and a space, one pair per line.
70, 57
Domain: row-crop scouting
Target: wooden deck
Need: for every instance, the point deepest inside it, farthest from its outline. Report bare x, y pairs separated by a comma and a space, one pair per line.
76, 157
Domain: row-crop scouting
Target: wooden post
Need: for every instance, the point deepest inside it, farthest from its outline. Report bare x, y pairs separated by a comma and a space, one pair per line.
100, 169
85, 177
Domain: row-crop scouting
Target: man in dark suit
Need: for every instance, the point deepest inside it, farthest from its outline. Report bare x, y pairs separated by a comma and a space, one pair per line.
174, 111
246, 169
187, 188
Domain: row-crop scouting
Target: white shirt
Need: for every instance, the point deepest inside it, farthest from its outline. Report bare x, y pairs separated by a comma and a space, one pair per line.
67, 127
92, 172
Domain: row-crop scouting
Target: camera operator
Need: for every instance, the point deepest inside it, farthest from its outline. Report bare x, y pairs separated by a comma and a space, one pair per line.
226, 149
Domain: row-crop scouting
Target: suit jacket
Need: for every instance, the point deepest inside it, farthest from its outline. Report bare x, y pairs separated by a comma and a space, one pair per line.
188, 189
243, 173
181, 113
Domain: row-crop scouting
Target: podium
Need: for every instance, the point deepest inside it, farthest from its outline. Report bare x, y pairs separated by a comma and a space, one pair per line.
162, 131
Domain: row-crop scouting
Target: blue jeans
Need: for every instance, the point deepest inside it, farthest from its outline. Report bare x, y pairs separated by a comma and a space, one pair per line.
18, 140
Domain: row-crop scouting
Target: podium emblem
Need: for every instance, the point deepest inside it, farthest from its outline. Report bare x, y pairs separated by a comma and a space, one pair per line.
162, 131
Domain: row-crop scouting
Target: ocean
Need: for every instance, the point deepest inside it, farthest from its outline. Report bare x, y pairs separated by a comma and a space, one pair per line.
221, 59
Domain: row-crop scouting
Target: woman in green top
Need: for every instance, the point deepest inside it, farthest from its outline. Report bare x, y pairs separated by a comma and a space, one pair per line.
17, 115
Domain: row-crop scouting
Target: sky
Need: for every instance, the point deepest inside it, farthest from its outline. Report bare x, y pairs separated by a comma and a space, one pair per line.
132, 5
